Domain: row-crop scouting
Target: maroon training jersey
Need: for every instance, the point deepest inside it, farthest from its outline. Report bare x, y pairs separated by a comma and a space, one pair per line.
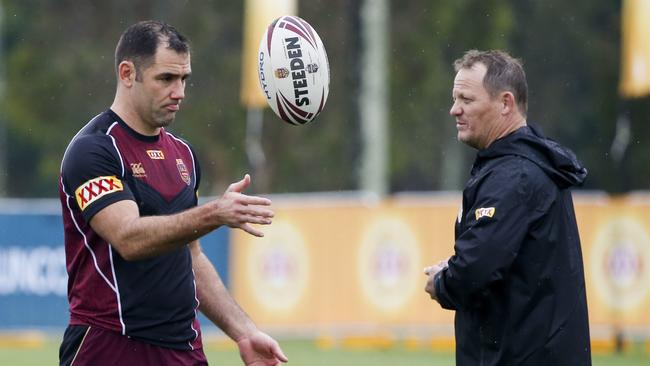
154, 299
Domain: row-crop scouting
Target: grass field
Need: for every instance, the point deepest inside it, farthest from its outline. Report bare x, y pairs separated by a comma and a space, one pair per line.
302, 352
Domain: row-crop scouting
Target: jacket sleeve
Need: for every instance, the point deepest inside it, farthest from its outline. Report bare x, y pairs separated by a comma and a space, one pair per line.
496, 224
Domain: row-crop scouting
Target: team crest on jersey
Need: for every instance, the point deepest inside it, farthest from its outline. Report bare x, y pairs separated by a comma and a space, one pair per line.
138, 170
182, 169
95, 189
156, 154
484, 212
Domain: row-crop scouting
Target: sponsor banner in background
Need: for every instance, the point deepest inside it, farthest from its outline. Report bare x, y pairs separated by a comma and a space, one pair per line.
278, 268
615, 237
37, 271
350, 263
388, 263
362, 264
33, 276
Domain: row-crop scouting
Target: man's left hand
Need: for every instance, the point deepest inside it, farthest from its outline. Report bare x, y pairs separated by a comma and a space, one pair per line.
431, 272
259, 349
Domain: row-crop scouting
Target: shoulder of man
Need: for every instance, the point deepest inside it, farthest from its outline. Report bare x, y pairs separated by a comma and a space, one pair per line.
517, 178
85, 148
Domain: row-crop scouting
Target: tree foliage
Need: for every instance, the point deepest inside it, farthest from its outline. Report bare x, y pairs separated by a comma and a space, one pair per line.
59, 66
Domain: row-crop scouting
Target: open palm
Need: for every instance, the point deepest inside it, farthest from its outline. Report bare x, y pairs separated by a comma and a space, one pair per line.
260, 350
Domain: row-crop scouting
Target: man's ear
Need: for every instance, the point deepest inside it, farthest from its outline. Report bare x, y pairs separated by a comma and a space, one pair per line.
126, 73
507, 103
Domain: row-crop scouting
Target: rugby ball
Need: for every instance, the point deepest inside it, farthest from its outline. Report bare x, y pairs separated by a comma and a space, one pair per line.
293, 70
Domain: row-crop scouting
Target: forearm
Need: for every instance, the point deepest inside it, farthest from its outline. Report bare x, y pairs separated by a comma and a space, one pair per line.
137, 237
154, 235
216, 302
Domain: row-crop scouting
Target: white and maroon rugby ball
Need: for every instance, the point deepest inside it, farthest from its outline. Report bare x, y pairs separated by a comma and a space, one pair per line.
293, 70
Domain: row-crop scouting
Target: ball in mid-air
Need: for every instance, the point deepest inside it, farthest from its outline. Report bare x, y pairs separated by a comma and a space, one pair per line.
293, 70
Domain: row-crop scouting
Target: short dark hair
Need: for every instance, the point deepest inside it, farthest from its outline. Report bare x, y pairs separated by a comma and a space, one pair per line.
504, 73
140, 41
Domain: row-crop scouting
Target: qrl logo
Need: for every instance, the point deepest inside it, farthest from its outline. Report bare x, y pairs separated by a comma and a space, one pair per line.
96, 188
185, 176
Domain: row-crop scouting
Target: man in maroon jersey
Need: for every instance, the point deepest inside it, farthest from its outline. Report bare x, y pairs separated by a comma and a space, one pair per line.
137, 275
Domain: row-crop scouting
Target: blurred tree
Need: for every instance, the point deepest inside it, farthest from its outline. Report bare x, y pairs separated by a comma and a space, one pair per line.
426, 155
60, 73
573, 76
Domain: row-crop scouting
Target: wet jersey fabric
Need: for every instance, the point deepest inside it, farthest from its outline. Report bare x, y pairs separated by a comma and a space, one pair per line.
516, 280
155, 299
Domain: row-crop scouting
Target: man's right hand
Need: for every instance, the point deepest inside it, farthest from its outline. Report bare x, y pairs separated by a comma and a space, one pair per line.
238, 210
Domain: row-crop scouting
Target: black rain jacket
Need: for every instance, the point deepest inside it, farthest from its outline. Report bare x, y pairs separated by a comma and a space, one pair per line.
516, 280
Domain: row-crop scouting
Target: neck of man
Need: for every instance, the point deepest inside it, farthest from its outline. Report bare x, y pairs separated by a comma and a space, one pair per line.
127, 112
515, 122
508, 125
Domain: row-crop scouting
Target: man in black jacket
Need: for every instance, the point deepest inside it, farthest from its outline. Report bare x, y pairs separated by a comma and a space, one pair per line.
516, 279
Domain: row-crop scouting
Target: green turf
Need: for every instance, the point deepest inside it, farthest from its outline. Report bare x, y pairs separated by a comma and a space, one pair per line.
306, 353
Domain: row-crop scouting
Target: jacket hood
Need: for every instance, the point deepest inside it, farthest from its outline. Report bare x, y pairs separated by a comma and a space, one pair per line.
558, 162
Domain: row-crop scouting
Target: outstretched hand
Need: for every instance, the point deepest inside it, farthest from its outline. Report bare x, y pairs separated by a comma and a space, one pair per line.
238, 210
259, 349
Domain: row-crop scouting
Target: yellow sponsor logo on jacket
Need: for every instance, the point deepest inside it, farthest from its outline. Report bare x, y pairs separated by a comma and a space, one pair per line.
484, 212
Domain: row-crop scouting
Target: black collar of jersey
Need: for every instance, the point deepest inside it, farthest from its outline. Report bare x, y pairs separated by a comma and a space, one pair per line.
131, 131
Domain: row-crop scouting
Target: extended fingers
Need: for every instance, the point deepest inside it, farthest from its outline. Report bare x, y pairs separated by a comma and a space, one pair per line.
256, 219
257, 211
254, 200
277, 352
251, 230
247, 200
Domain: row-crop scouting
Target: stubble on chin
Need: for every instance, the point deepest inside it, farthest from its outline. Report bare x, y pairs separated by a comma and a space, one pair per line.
164, 121
462, 136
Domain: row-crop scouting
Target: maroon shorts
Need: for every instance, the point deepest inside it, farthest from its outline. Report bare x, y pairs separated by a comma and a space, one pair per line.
86, 345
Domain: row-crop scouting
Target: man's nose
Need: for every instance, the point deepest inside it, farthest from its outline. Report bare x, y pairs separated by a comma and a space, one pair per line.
455, 109
179, 90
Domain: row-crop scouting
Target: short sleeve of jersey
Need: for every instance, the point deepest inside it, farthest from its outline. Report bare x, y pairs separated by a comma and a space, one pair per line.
92, 173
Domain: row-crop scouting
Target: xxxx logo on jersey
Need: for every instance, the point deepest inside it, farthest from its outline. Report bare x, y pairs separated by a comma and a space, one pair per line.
96, 188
